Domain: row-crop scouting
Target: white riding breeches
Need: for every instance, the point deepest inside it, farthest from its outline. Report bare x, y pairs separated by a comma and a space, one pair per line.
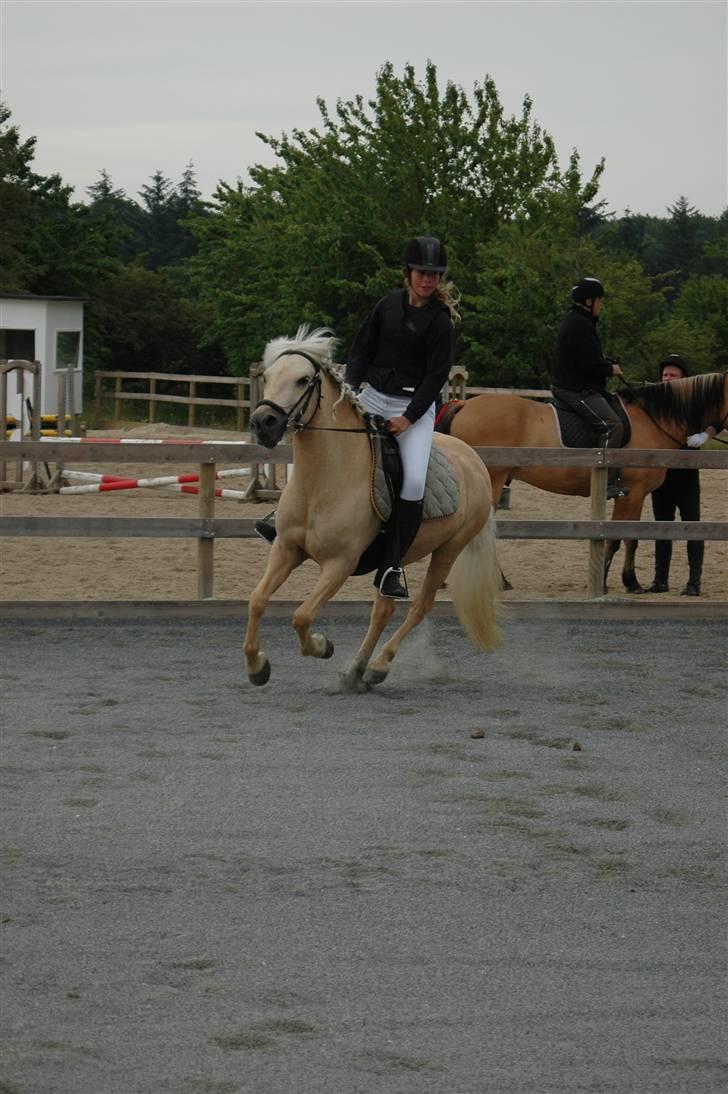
414, 444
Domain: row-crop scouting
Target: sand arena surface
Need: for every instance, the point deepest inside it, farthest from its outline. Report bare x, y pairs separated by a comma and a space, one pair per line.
49, 568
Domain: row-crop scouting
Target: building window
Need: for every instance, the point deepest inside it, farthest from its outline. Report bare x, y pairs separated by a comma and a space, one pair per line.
68, 348
17, 345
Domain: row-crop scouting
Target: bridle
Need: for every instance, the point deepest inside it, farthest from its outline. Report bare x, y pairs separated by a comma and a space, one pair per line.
294, 417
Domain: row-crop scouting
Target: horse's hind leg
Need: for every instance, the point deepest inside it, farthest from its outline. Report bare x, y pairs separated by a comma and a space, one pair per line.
440, 565
353, 677
498, 478
281, 563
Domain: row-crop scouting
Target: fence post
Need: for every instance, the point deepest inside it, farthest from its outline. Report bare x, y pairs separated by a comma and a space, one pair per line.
240, 409
152, 401
117, 400
97, 398
192, 395
597, 547
256, 394
206, 543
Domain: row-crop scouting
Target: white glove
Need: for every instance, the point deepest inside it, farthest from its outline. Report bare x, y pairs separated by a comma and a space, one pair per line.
697, 439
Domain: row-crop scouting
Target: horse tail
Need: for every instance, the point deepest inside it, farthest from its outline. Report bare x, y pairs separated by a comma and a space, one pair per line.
475, 582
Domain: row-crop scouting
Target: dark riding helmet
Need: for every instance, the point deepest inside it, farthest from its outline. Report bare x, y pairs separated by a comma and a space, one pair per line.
425, 253
589, 288
677, 361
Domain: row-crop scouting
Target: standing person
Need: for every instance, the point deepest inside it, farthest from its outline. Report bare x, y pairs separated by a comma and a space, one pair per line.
580, 371
403, 354
680, 490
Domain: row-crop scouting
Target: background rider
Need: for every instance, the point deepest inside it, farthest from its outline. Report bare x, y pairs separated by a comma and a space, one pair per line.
580, 371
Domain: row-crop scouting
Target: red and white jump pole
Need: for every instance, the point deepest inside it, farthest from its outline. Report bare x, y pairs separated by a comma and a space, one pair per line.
104, 483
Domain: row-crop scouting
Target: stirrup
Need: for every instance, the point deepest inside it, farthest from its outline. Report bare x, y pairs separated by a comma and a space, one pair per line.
614, 490
390, 585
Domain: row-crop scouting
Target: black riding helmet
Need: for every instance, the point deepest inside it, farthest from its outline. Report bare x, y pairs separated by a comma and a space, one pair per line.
589, 288
677, 361
425, 253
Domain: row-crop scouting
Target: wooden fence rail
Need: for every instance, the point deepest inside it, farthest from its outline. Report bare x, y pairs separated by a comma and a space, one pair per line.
244, 393
206, 528
248, 392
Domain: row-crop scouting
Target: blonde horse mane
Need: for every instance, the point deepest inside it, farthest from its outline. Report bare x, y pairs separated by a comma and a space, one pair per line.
318, 344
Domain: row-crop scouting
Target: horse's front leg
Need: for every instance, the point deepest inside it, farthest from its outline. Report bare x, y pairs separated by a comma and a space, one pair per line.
333, 574
630, 508
281, 562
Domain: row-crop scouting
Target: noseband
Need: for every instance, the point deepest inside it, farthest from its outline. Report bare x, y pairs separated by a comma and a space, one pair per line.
295, 415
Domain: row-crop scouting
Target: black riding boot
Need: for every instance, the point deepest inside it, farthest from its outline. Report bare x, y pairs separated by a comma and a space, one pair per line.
404, 526
663, 554
696, 550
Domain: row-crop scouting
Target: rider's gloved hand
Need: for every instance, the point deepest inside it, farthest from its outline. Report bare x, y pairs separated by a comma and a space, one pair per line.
697, 439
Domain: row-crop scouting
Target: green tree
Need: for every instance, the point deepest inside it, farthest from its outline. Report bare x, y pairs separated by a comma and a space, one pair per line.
703, 306
523, 278
120, 218
149, 326
48, 245
318, 236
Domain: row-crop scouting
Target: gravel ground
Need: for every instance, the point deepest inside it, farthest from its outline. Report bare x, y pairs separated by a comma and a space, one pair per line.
494, 875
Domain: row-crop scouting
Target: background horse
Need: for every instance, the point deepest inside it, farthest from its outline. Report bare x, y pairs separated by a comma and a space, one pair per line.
325, 513
661, 416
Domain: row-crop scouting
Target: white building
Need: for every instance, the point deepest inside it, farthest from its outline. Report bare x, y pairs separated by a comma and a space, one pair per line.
48, 329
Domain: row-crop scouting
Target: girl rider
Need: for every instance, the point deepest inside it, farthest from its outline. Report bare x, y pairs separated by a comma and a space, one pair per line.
402, 355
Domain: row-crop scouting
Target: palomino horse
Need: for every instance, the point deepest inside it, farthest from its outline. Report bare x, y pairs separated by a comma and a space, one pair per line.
661, 416
325, 513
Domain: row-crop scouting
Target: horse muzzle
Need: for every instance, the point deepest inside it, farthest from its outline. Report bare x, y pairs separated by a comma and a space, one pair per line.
268, 424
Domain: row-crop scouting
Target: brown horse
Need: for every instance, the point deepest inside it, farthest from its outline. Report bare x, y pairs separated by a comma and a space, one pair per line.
661, 416
326, 513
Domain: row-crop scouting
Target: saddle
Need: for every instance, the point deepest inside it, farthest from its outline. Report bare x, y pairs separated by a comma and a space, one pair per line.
574, 431
442, 493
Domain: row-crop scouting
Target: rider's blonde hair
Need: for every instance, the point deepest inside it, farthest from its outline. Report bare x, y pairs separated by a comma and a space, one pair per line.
446, 292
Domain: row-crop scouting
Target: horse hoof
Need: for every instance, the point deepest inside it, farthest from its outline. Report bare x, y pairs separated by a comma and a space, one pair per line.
352, 683
328, 650
262, 676
374, 677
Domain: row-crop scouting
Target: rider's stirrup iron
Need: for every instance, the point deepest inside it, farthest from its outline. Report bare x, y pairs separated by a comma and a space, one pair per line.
390, 585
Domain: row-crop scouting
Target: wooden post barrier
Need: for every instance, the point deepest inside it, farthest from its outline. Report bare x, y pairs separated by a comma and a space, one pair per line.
34, 420
240, 404
206, 542
597, 547
206, 527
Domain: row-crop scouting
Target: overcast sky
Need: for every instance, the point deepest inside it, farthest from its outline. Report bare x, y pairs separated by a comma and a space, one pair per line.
135, 87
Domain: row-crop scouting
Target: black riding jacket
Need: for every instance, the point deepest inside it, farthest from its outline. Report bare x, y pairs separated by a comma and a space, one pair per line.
401, 350
578, 362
